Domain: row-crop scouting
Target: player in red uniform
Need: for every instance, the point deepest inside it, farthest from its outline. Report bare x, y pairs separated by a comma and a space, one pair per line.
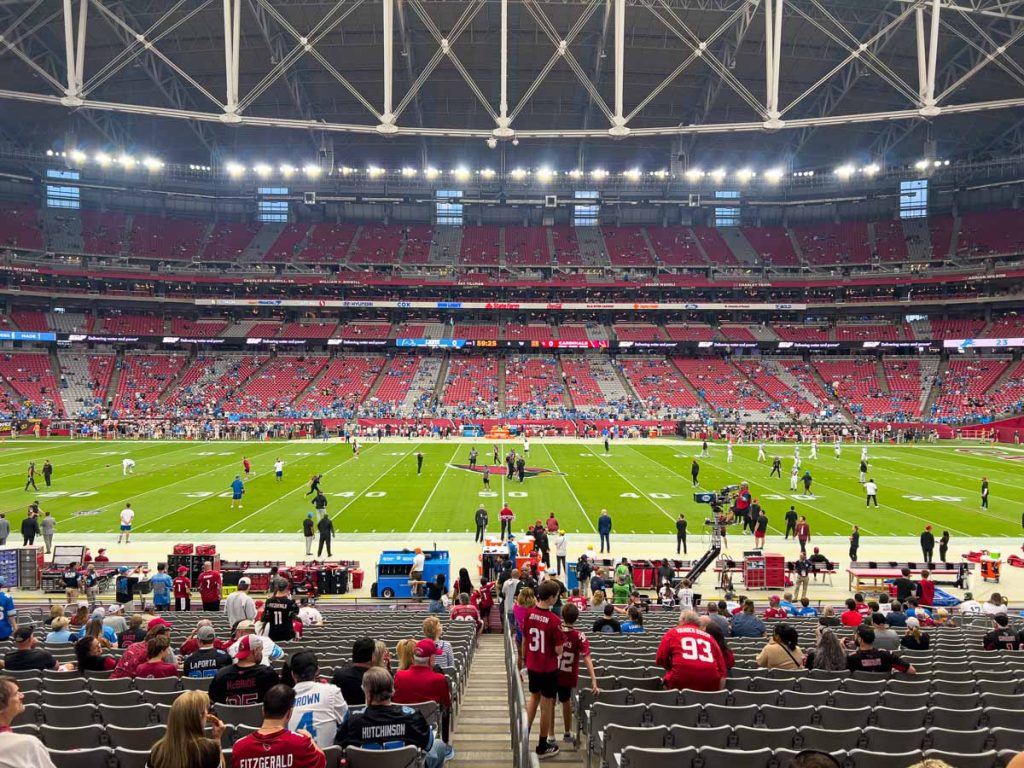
543, 642
576, 647
246, 466
182, 590
691, 656
273, 744
210, 585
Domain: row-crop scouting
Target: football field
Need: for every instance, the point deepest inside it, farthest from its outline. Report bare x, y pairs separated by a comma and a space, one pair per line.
183, 487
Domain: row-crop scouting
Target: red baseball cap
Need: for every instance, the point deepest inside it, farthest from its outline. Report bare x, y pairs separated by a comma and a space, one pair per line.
247, 646
426, 648
182, 569
158, 622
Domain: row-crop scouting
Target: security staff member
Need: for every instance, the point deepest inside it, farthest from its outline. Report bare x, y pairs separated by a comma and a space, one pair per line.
791, 518
681, 533
481, 523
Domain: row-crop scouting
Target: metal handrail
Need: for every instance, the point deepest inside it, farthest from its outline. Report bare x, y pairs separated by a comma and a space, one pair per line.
522, 755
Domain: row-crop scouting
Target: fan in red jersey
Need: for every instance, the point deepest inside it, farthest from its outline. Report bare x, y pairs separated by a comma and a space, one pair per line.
691, 656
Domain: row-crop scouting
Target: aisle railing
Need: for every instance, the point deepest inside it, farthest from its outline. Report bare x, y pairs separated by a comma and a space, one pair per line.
523, 756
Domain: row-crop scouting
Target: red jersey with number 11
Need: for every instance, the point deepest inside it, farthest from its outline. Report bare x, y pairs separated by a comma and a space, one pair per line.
692, 658
542, 638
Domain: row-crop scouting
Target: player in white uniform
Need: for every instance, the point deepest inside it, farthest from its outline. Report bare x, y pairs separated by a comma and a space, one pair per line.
794, 475
760, 452
796, 451
728, 453
864, 453
814, 448
279, 470
839, 448
526, 446
128, 466
796, 463
127, 516
319, 707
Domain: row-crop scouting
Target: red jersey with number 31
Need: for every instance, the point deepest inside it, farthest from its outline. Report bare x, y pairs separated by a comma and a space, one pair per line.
542, 635
692, 658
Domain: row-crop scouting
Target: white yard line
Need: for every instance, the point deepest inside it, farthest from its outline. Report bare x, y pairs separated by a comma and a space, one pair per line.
571, 492
376, 480
284, 495
434, 490
635, 488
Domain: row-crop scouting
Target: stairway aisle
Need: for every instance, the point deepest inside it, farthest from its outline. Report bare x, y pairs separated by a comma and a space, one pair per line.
481, 735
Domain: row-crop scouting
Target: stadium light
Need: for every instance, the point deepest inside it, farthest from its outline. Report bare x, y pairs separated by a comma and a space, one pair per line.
262, 170
311, 171
487, 173
632, 174
519, 173
844, 171
374, 171
774, 175
718, 174
921, 165
661, 174
346, 171
126, 161
103, 159
694, 174
575, 173
49, 153
461, 173
152, 164
78, 156
870, 170
431, 173
745, 174
234, 169
286, 170
546, 174
408, 172
599, 174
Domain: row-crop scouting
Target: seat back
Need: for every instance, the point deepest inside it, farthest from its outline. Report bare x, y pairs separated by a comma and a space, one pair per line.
405, 757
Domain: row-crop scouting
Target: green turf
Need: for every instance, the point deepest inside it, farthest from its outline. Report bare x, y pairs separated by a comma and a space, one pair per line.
181, 487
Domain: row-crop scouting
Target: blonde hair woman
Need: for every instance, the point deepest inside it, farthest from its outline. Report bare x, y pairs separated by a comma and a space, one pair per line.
433, 629
404, 651
184, 745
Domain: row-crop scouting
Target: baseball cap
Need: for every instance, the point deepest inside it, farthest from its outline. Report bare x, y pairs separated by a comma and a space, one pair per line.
1000, 618
101, 550
83, 603
245, 625
22, 633
426, 648
205, 634
123, 569
114, 608
913, 623
159, 621
98, 613
182, 569
561, 532
244, 582
247, 646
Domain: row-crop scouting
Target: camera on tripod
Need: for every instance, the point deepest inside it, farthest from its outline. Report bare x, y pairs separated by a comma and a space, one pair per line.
723, 498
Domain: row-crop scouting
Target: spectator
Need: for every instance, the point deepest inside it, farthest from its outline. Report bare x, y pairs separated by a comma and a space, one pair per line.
27, 655
8, 614
715, 631
320, 708
115, 620
598, 600
81, 617
996, 604
542, 657
210, 586
161, 583
309, 616
691, 656
805, 610
1002, 636
915, 639
508, 596
239, 606
597, 581
775, 609
970, 605
635, 623
279, 613
885, 638
783, 650
349, 679
20, 750
184, 743
896, 617
246, 681
271, 650
607, 623
620, 590
483, 599
90, 656
136, 653
207, 659
95, 628
158, 659
381, 721
524, 602
746, 623
421, 683
191, 645
715, 616
829, 618
434, 630
828, 654
435, 593
273, 744
60, 632
926, 588
904, 586
405, 650
463, 611
851, 617
867, 658
134, 633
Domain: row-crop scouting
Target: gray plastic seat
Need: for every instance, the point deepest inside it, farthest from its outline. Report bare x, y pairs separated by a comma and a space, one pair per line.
763, 738
735, 758
135, 738
683, 736
81, 758
405, 757
58, 738
862, 758
974, 760
633, 757
829, 739
614, 738
948, 740
688, 716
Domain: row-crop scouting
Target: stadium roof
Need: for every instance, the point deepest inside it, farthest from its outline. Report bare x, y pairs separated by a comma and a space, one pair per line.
853, 78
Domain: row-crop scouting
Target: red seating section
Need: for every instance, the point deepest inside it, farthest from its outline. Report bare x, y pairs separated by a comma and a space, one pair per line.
205, 329
627, 247
20, 228
714, 246
891, 241
676, 246
658, 384
963, 388
30, 320
397, 380
264, 331
583, 387
991, 233
31, 376
532, 332
285, 246
309, 330
527, 246
417, 244
855, 383
957, 329
327, 244
690, 332
867, 332
800, 332
736, 333
279, 382
772, 244
941, 230
722, 386
480, 246
377, 244
344, 385
167, 239
133, 325
143, 379
845, 243
637, 332
475, 331
103, 231
364, 330
780, 395
228, 240
532, 381
472, 381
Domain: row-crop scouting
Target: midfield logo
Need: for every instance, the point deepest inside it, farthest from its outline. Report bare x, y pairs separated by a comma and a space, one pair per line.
503, 470
991, 453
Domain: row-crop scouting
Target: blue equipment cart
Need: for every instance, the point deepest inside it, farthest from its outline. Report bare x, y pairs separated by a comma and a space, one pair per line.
393, 568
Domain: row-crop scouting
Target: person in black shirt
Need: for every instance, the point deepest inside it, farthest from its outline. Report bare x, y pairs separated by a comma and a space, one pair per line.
325, 527
904, 586
753, 512
209, 659
28, 656
791, 518
383, 723
279, 612
607, 623
314, 485
927, 543
760, 530
30, 525
681, 533
307, 533
247, 680
419, 462
480, 518
350, 678
984, 492
776, 467
944, 546
695, 472
867, 658
1002, 637
854, 543
521, 469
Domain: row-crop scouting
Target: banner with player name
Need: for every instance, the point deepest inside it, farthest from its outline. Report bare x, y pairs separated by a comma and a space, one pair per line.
502, 306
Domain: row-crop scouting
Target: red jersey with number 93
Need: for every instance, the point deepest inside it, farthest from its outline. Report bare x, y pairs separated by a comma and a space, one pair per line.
692, 658
542, 636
